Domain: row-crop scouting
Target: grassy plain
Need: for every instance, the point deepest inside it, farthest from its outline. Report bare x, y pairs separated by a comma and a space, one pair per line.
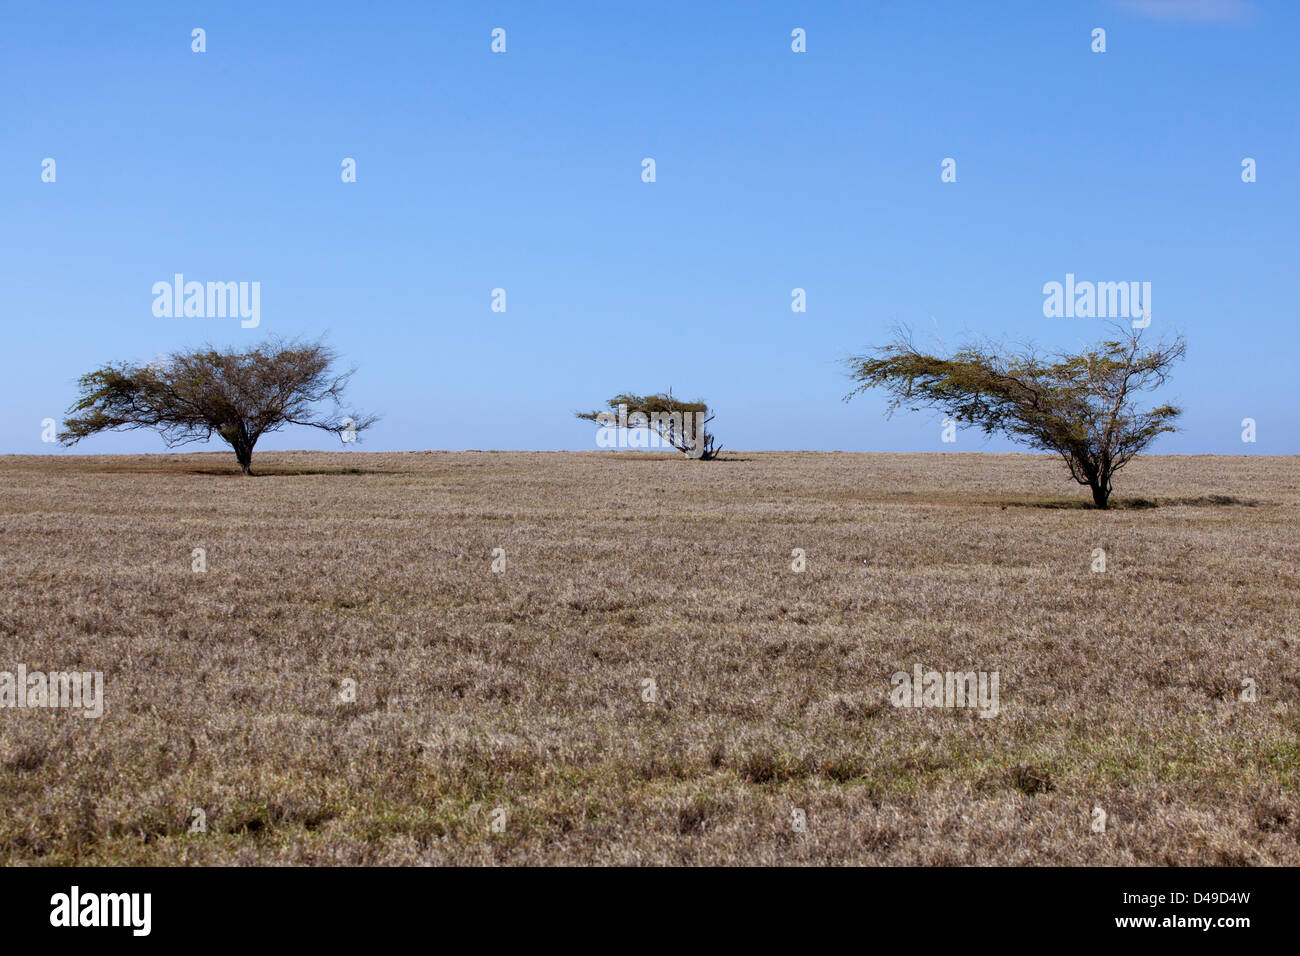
523, 689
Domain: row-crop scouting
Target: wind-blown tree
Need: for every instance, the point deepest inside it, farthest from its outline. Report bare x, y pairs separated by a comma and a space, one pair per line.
678, 424
1083, 406
237, 395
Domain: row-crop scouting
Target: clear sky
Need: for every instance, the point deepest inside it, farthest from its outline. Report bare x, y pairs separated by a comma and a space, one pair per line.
523, 171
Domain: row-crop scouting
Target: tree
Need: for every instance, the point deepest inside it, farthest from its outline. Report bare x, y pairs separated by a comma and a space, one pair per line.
238, 396
1081, 406
677, 423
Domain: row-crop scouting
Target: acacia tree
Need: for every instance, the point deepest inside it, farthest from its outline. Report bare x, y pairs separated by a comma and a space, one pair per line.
677, 423
237, 395
1081, 406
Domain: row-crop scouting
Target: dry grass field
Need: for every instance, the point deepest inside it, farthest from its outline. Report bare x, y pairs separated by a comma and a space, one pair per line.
523, 690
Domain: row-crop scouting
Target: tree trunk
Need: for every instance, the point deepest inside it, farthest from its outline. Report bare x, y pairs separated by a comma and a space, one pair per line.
245, 458
1100, 495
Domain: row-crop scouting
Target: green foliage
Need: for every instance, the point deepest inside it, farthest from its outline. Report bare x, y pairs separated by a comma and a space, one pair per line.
1081, 406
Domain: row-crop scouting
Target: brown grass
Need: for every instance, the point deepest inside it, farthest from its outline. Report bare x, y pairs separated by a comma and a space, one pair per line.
523, 690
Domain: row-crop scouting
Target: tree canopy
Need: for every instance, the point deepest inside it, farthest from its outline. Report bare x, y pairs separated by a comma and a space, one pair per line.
1082, 406
678, 424
237, 395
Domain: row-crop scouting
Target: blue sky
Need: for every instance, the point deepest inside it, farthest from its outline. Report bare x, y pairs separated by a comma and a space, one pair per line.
775, 170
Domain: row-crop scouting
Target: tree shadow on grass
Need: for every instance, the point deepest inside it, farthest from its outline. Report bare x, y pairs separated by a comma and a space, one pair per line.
1135, 504
273, 472
616, 456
